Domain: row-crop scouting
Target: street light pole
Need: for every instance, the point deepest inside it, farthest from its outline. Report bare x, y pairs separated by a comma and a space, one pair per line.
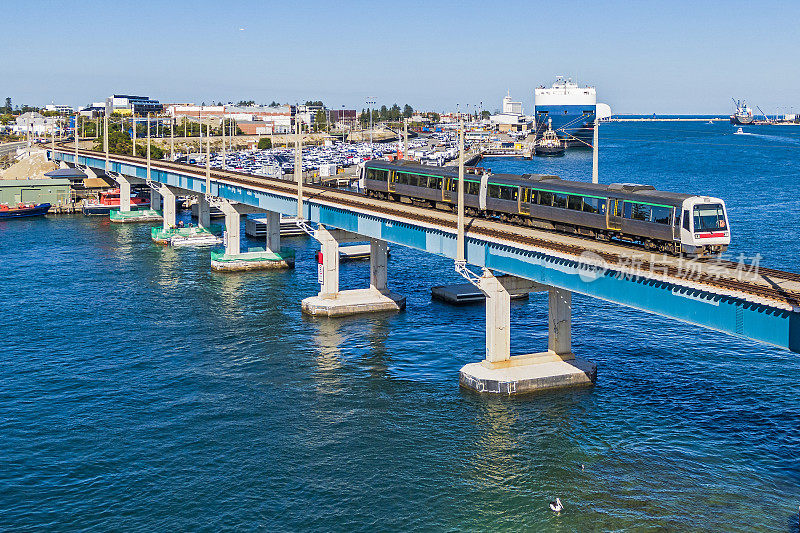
460, 255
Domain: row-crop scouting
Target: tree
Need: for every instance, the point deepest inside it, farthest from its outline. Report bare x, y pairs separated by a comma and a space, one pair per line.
434, 117
320, 120
408, 111
363, 118
485, 115
246, 103
8, 108
274, 104
264, 143
315, 103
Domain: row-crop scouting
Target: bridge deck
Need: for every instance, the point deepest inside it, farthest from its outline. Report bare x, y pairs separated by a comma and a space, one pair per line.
645, 279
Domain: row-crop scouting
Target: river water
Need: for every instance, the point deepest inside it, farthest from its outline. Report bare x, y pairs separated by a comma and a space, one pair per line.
140, 391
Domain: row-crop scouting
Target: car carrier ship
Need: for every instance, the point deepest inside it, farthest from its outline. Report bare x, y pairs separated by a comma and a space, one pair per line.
572, 109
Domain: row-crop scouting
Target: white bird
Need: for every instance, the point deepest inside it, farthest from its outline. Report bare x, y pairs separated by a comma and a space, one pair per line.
241, 29
556, 506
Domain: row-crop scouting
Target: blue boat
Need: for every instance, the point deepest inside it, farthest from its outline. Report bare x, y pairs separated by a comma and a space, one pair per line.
23, 210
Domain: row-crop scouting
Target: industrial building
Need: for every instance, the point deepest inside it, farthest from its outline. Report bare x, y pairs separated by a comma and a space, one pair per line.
251, 119
37, 191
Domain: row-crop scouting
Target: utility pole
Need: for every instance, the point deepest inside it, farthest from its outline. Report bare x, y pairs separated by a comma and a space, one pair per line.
148, 147
460, 255
370, 103
405, 139
208, 158
223, 139
172, 138
298, 167
133, 121
105, 140
595, 158
76, 140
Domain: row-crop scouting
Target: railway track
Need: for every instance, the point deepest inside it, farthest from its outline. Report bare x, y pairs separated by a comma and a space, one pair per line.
722, 278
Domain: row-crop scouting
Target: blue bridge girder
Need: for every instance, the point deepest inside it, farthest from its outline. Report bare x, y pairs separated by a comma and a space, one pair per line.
774, 324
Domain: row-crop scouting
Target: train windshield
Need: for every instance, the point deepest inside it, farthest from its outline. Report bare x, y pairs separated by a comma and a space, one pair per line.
709, 217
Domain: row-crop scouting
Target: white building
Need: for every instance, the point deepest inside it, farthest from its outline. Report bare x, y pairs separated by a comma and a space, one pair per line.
58, 108
36, 124
510, 107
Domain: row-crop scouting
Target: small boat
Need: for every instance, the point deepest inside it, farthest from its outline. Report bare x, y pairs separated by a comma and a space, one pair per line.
710, 122
23, 210
739, 132
107, 201
549, 145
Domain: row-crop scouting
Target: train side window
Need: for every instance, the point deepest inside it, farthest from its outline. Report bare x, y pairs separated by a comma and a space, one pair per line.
686, 225
533, 197
560, 200
575, 202
437, 183
493, 191
626, 209
591, 205
545, 198
474, 188
508, 193
661, 215
640, 212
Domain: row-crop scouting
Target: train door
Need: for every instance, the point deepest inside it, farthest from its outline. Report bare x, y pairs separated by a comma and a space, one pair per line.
524, 201
392, 179
447, 193
676, 224
614, 214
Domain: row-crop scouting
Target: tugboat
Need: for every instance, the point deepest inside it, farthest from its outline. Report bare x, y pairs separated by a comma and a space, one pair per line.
743, 115
549, 145
110, 200
23, 210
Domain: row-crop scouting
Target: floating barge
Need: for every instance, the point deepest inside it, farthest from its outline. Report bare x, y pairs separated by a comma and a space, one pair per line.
252, 259
192, 236
134, 215
257, 227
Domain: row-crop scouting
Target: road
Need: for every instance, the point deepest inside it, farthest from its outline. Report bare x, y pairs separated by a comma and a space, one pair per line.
11, 147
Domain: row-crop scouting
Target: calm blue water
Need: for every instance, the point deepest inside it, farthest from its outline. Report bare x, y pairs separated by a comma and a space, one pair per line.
140, 391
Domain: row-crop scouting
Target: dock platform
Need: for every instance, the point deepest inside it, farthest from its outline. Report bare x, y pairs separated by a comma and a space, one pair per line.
464, 294
257, 227
252, 259
138, 215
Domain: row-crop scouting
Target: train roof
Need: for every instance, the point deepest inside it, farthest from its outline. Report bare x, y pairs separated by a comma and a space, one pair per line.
631, 191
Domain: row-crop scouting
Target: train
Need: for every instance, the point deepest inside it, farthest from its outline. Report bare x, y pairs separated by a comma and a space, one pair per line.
668, 222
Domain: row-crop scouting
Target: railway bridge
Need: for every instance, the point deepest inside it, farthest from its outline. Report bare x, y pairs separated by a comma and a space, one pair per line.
734, 298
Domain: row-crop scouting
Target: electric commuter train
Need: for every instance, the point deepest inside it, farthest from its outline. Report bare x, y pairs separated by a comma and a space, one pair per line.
658, 220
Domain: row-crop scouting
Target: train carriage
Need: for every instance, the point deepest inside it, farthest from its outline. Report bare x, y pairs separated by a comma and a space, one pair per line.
658, 220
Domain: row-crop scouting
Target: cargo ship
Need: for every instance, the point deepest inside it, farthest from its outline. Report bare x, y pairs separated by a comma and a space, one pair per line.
743, 115
572, 109
23, 210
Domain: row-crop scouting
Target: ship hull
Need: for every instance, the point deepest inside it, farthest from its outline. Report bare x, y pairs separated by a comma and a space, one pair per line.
740, 120
574, 124
35, 211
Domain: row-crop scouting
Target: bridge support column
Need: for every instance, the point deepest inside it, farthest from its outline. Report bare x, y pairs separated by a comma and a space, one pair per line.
124, 193
155, 200
233, 259
167, 198
331, 301
501, 373
203, 212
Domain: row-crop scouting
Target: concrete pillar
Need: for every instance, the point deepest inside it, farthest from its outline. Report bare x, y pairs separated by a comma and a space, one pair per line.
559, 339
155, 200
124, 194
168, 196
233, 223
378, 263
330, 263
273, 232
203, 212
498, 318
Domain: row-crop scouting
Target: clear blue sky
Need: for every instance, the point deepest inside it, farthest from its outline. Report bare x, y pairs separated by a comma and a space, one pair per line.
643, 57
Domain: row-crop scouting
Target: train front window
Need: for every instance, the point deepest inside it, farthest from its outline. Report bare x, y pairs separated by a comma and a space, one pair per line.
709, 217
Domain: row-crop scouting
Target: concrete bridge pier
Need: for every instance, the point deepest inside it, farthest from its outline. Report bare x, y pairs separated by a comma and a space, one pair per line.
124, 193
155, 200
331, 301
166, 196
234, 259
501, 373
203, 212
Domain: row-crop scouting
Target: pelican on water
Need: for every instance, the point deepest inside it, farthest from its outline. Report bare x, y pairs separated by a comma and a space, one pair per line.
556, 506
